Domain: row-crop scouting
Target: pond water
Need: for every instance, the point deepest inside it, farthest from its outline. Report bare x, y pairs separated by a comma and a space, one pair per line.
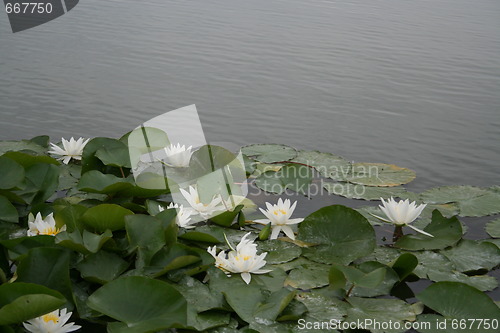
415, 83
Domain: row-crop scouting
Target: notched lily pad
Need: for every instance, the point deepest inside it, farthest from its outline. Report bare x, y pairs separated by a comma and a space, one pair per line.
269, 153
380, 174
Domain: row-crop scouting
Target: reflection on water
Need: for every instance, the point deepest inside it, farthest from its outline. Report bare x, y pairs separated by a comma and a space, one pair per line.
414, 83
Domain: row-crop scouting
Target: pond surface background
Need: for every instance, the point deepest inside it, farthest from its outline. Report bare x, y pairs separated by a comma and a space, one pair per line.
415, 83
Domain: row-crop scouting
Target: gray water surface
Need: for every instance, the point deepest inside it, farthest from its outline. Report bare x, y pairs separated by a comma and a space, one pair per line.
415, 83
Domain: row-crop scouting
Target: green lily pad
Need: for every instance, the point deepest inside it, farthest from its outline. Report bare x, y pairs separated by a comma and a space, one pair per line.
106, 216
382, 310
23, 301
322, 308
269, 153
471, 255
446, 232
118, 299
493, 228
22, 145
328, 165
453, 300
380, 174
342, 235
97, 182
308, 276
472, 200
12, 173
278, 251
102, 267
291, 176
358, 191
8, 212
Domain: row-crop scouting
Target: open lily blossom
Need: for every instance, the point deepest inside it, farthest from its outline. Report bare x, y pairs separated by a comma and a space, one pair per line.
72, 149
402, 213
279, 217
53, 322
244, 260
205, 210
40, 226
183, 218
178, 156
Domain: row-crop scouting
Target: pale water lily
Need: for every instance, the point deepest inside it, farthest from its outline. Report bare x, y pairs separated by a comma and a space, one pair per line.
279, 216
53, 322
40, 226
205, 210
183, 218
72, 149
244, 260
402, 213
178, 156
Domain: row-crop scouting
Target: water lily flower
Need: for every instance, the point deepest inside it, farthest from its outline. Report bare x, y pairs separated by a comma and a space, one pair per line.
40, 226
183, 218
178, 156
402, 213
53, 322
279, 216
72, 149
204, 210
244, 260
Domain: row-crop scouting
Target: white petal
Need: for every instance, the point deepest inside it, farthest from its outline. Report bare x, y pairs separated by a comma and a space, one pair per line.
246, 277
288, 231
275, 232
421, 231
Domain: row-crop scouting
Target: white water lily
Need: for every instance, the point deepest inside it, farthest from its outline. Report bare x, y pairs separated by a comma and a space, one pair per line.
279, 216
205, 210
244, 260
178, 156
72, 149
53, 322
40, 226
183, 218
402, 213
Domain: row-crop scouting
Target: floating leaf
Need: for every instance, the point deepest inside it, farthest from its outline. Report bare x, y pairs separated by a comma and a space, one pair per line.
291, 176
28, 159
117, 155
269, 153
381, 310
453, 300
471, 255
472, 200
146, 235
278, 251
23, 145
23, 301
342, 233
118, 299
493, 228
102, 267
380, 174
8, 212
358, 191
97, 182
89, 159
12, 173
446, 232
328, 165
106, 216
308, 276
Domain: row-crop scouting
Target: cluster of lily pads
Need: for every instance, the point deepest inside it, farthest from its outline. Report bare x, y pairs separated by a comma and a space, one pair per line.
83, 247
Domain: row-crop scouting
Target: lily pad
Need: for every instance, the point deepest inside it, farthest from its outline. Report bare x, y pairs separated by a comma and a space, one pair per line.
382, 310
471, 255
278, 251
380, 174
294, 177
358, 191
342, 234
118, 299
453, 300
328, 165
106, 216
493, 228
308, 276
472, 200
269, 153
446, 232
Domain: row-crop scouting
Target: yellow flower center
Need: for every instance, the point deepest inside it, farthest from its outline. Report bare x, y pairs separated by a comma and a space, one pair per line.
279, 211
245, 258
52, 231
50, 316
